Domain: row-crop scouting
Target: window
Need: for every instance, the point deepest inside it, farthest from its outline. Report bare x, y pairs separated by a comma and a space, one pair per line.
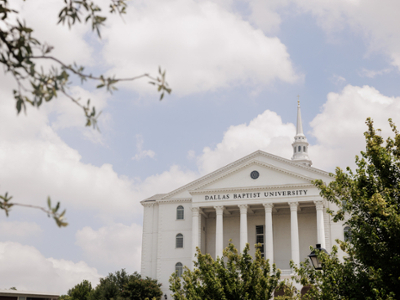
179, 241
304, 148
299, 149
179, 269
260, 238
180, 212
347, 233
294, 149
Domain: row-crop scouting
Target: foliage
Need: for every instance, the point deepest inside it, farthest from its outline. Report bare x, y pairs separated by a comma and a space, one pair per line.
233, 276
81, 291
369, 203
21, 54
121, 286
138, 288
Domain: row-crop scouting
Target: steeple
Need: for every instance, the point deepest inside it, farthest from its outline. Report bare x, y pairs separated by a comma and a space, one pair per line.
299, 128
300, 144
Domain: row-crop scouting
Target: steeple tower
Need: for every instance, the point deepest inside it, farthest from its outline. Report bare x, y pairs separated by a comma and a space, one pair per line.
300, 144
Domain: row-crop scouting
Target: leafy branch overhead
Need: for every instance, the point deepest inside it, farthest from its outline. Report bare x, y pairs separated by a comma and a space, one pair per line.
51, 211
21, 54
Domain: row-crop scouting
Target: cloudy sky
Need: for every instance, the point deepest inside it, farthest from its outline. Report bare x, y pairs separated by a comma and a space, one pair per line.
235, 67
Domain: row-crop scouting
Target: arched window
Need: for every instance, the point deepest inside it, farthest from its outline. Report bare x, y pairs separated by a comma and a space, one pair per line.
179, 241
347, 233
304, 148
294, 149
180, 212
179, 269
299, 149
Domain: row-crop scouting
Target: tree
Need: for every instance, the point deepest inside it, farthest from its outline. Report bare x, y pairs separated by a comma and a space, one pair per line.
126, 287
138, 288
233, 276
81, 291
369, 203
21, 54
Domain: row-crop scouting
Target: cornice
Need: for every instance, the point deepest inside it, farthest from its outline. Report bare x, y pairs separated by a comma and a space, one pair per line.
174, 200
251, 188
148, 203
239, 162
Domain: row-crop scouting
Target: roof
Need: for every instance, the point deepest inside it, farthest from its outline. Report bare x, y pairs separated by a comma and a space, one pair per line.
27, 293
232, 165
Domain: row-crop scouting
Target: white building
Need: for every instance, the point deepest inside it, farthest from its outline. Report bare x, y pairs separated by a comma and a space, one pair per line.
25, 295
258, 198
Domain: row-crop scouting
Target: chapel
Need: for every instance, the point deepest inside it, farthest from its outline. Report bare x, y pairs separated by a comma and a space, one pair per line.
260, 198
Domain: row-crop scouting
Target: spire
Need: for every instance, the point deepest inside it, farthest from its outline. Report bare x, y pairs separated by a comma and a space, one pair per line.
299, 129
300, 144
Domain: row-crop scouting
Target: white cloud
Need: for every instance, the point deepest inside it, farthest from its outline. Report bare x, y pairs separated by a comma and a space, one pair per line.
266, 132
202, 46
11, 229
165, 182
33, 156
376, 21
338, 80
372, 73
338, 130
35, 163
142, 153
117, 246
265, 14
27, 269
42, 16
340, 126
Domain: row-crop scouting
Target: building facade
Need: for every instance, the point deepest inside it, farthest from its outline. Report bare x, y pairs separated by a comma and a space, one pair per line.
25, 295
260, 198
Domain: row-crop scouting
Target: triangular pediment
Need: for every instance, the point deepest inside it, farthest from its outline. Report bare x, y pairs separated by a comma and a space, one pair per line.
273, 170
267, 175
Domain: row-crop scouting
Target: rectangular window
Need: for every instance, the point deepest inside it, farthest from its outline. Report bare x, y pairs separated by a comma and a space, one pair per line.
260, 238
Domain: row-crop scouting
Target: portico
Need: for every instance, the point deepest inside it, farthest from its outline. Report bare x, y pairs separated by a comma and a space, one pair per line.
246, 215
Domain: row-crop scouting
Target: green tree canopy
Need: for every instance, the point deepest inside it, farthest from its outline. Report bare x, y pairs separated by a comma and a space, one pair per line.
233, 276
81, 291
369, 204
122, 286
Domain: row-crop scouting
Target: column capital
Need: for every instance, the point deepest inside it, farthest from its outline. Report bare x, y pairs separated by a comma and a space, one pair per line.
319, 204
195, 211
243, 208
219, 209
268, 207
293, 206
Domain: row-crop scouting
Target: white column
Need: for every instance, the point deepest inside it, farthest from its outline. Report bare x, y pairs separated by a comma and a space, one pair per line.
269, 238
195, 230
243, 226
319, 205
294, 232
219, 232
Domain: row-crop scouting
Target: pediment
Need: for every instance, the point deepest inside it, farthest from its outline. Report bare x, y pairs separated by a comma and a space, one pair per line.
268, 175
274, 169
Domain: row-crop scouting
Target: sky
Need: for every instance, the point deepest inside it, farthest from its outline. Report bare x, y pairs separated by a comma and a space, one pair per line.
235, 69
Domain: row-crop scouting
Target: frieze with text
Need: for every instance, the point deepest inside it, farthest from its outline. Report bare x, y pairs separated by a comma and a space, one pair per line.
290, 193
